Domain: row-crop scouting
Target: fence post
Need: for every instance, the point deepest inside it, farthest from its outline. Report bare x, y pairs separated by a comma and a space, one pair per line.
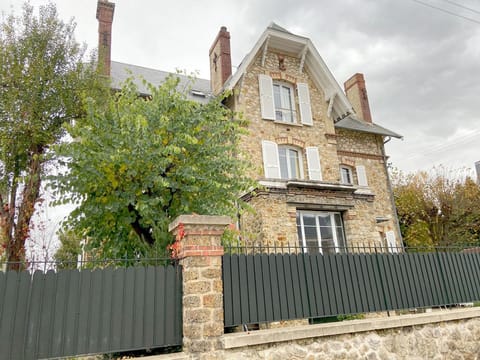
199, 250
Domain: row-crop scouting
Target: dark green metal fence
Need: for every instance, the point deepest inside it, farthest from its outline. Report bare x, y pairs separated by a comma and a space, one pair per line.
273, 287
72, 312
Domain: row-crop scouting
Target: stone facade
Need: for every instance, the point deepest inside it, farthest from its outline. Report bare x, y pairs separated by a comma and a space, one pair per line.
453, 340
276, 204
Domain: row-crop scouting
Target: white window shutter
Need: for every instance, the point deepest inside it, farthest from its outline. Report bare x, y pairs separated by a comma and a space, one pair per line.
313, 162
266, 97
391, 242
304, 104
271, 162
362, 176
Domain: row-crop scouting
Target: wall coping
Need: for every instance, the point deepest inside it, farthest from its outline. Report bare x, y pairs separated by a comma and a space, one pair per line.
244, 339
200, 220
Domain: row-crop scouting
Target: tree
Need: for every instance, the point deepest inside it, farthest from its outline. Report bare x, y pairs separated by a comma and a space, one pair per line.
437, 208
138, 163
70, 249
43, 82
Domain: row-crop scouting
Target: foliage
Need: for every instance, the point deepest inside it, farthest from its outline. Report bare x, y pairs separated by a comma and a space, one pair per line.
70, 249
140, 162
437, 208
43, 81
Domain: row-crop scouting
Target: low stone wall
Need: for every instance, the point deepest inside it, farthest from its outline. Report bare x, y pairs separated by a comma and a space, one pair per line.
447, 334
444, 334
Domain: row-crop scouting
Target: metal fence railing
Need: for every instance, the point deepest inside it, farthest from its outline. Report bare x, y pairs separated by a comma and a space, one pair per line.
111, 308
292, 283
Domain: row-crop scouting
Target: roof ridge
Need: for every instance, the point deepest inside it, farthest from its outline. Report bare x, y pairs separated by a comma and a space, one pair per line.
275, 26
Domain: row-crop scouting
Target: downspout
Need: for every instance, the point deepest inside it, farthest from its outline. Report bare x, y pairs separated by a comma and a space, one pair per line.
390, 190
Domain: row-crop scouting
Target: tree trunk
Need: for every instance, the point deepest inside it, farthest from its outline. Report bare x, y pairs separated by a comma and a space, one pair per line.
30, 195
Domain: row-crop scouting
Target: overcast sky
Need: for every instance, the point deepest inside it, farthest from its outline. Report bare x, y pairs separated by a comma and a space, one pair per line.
421, 64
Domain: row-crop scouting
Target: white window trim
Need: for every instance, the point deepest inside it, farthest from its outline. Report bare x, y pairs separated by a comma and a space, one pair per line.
317, 224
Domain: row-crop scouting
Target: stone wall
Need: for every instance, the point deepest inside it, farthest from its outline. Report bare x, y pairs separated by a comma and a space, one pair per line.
442, 334
418, 339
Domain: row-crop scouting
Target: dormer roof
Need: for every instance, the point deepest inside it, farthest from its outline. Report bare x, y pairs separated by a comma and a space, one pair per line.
276, 37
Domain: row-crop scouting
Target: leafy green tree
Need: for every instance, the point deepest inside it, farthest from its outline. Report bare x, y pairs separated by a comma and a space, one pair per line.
43, 82
437, 208
136, 165
70, 248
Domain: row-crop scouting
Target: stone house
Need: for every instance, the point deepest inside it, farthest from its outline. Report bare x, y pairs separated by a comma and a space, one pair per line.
319, 159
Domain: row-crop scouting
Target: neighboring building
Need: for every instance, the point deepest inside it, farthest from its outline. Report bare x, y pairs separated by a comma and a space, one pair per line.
319, 158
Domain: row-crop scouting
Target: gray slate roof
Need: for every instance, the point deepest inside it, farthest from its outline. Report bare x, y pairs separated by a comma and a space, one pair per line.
119, 72
352, 123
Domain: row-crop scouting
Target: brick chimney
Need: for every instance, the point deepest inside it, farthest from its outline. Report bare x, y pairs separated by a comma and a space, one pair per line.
220, 60
105, 10
357, 94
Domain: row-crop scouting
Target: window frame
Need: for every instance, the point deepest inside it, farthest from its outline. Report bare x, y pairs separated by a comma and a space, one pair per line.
299, 160
338, 248
349, 171
280, 108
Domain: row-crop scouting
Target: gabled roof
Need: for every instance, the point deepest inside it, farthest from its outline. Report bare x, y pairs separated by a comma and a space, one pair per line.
199, 91
278, 38
352, 123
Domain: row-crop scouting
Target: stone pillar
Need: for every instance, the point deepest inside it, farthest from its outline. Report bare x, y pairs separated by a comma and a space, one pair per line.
199, 249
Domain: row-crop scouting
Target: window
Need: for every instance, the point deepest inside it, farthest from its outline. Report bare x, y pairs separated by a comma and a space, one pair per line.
284, 103
320, 231
346, 175
290, 163
277, 101
286, 162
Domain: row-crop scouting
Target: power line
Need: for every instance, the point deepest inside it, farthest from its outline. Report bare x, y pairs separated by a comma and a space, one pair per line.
446, 11
466, 138
462, 6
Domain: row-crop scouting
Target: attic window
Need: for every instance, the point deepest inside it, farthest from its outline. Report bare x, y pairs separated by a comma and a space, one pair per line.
284, 102
198, 93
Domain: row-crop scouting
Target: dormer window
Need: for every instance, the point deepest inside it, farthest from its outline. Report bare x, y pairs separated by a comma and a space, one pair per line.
284, 102
277, 101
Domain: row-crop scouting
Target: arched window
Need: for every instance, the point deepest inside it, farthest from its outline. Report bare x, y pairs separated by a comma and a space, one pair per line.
291, 163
